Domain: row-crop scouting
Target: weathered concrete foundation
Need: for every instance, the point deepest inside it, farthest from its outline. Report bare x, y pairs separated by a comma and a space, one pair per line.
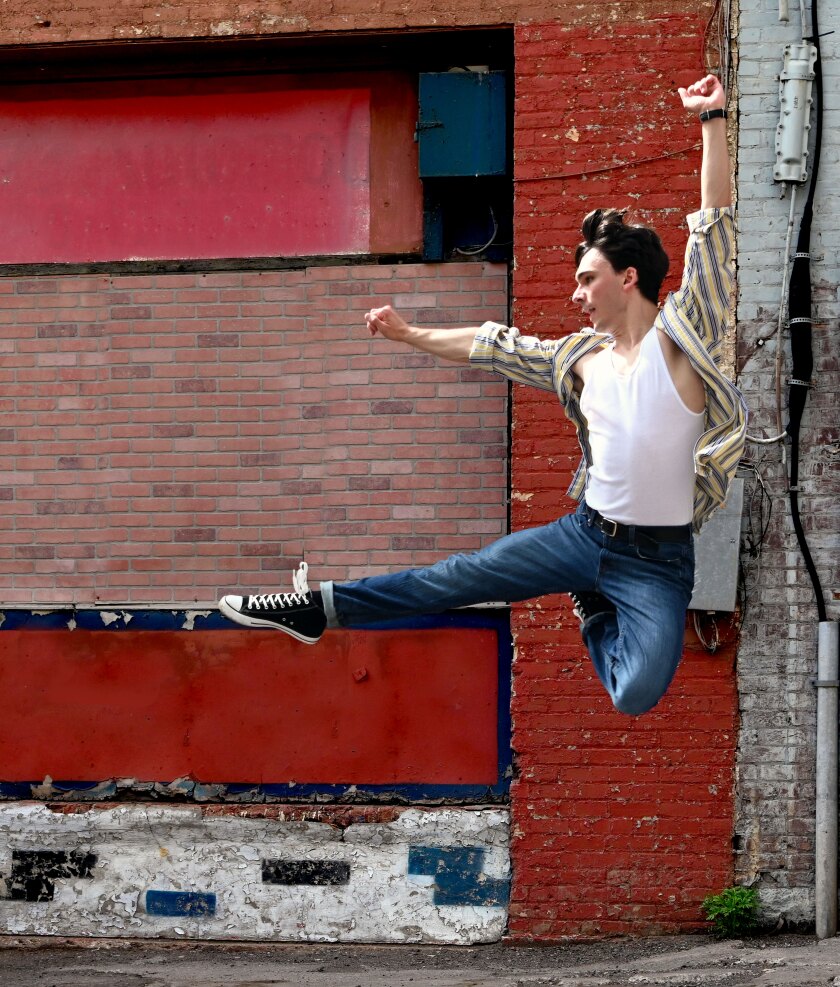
435, 876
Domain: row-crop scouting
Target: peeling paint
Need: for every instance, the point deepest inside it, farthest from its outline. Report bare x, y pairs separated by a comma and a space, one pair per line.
108, 617
294, 22
224, 28
180, 786
188, 618
208, 871
49, 790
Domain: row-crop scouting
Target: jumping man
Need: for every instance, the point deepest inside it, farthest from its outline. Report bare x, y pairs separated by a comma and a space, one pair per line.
661, 431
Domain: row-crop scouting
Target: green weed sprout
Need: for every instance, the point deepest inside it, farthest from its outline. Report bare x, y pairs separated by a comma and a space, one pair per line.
733, 912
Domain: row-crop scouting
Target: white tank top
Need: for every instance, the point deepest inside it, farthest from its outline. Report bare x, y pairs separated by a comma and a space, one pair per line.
642, 438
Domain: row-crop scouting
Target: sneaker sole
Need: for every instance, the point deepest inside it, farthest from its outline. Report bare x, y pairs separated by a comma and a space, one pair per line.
245, 621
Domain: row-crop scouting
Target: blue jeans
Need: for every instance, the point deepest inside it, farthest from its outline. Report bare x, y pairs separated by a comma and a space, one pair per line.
635, 650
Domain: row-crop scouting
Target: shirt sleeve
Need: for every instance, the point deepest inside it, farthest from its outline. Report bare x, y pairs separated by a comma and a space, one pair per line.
524, 359
704, 297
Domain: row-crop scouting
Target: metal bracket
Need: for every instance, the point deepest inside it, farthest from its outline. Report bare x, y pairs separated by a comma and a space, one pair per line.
824, 683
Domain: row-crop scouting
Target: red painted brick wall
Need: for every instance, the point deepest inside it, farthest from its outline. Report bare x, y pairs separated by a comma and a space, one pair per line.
170, 436
70, 20
620, 825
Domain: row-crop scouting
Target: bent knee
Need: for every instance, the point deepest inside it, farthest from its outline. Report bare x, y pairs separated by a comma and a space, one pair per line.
634, 706
639, 685
636, 698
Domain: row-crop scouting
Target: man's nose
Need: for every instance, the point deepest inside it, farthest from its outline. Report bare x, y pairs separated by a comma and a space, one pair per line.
577, 294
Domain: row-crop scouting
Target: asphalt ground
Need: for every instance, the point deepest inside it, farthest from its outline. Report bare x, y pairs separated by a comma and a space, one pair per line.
676, 961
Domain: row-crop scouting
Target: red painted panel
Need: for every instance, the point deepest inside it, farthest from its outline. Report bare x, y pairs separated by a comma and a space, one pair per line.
396, 191
184, 168
250, 706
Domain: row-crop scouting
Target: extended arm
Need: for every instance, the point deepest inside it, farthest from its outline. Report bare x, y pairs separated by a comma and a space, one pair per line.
715, 173
449, 344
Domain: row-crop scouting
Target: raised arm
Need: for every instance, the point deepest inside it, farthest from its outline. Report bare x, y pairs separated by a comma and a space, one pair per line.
449, 344
715, 173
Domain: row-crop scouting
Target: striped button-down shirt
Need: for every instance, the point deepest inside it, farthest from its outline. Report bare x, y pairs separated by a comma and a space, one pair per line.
695, 317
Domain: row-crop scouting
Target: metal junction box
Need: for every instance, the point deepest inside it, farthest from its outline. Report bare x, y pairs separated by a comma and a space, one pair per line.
716, 551
462, 130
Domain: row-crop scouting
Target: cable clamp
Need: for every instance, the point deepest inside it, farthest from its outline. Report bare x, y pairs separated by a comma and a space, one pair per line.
825, 683
798, 383
799, 320
803, 255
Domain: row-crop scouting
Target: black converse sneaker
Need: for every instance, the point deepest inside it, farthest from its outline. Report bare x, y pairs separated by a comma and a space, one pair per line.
295, 613
589, 604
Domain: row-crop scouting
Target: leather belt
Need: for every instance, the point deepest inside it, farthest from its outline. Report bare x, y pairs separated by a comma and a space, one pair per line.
627, 532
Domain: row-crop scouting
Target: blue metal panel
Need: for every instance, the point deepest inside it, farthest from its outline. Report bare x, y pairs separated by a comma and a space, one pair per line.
462, 130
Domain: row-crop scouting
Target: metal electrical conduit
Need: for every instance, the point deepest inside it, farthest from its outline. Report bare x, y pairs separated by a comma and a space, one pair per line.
828, 644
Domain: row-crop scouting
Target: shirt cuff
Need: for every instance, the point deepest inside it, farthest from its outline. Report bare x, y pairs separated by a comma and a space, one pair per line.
703, 219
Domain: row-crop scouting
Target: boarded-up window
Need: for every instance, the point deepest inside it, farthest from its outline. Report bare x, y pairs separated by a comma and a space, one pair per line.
237, 167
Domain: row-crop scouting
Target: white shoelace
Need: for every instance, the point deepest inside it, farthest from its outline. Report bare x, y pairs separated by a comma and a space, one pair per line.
274, 601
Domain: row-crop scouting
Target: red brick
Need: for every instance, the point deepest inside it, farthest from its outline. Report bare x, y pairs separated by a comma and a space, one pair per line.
197, 399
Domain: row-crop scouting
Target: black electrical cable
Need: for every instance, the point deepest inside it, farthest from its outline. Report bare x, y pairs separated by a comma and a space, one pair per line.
801, 342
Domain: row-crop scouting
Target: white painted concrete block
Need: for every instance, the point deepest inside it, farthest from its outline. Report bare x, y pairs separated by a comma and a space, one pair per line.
207, 873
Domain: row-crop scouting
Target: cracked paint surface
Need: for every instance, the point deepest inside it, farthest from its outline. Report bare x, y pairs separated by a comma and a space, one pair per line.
183, 872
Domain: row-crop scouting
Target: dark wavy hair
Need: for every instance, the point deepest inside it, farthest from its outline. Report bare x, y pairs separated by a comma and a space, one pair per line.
626, 245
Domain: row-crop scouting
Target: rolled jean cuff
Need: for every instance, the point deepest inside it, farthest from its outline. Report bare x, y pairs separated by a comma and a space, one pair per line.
329, 604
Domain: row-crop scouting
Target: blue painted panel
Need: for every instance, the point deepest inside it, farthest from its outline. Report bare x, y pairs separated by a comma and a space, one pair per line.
180, 904
432, 860
458, 876
471, 889
462, 130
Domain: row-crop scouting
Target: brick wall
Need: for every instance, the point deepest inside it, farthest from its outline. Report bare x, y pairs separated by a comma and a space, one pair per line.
168, 436
777, 657
619, 825
634, 811
96, 20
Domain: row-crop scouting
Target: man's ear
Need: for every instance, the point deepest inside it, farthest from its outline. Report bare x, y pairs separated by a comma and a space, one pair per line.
630, 278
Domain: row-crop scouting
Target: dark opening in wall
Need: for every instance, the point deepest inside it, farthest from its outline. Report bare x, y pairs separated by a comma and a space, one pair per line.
166, 160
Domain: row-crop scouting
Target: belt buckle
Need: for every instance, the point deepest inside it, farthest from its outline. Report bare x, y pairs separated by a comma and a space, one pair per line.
605, 522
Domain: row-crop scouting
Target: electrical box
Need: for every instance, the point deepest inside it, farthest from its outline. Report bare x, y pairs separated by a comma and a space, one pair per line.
462, 128
795, 84
717, 553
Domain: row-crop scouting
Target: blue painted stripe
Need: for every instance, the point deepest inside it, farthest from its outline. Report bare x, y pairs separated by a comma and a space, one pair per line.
16, 790
471, 889
431, 861
180, 904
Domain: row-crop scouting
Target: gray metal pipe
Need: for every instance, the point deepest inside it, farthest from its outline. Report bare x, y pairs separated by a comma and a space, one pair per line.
825, 857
